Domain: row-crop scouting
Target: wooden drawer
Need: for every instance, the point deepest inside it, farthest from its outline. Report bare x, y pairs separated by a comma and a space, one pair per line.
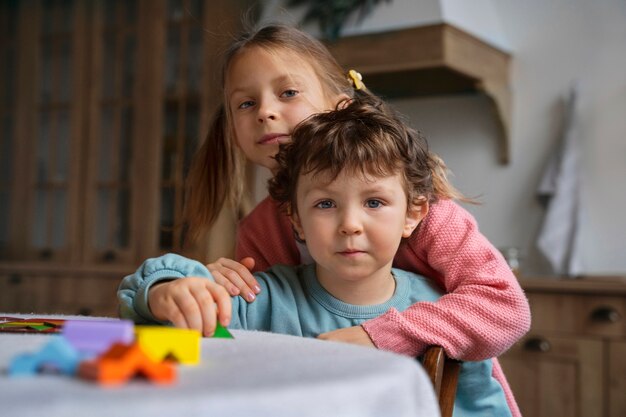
593, 315
556, 376
65, 293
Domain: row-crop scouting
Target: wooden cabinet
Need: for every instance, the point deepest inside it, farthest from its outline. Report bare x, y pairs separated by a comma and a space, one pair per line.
70, 290
102, 104
573, 361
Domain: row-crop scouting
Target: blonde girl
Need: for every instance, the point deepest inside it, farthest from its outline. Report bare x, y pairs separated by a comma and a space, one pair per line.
273, 79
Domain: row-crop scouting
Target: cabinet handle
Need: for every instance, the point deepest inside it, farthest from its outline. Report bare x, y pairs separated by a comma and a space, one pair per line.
537, 344
84, 311
605, 315
15, 279
46, 254
109, 256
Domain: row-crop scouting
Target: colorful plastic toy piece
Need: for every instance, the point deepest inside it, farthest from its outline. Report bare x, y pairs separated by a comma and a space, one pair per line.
122, 362
97, 336
57, 355
222, 332
30, 325
160, 343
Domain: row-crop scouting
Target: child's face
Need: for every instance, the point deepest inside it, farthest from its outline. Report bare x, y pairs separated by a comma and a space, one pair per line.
353, 225
268, 95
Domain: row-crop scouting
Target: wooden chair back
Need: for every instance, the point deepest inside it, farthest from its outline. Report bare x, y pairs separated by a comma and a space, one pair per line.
444, 374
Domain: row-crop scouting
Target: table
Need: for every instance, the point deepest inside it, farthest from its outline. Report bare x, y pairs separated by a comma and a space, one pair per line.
256, 374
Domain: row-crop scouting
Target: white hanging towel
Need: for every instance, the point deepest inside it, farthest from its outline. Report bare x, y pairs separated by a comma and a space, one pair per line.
560, 191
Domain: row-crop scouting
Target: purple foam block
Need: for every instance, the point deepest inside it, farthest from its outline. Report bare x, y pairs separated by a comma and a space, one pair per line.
96, 336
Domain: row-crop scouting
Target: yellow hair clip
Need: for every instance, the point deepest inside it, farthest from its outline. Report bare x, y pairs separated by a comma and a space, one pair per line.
356, 78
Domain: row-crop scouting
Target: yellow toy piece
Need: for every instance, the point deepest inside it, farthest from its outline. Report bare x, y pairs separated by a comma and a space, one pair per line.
160, 343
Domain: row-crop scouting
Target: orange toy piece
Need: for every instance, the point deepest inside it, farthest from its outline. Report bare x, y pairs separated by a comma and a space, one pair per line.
122, 362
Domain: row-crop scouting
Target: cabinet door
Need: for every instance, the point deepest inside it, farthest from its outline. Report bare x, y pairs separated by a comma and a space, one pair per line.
117, 182
109, 99
8, 76
48, 119
153, 88
556, 376
182, 99
84, 176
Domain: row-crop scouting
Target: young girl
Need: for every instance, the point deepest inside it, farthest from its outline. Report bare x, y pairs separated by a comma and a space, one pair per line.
273, 79
355, 182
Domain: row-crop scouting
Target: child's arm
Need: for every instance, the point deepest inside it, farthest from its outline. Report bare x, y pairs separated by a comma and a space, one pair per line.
191, 303
155, 294
484, 310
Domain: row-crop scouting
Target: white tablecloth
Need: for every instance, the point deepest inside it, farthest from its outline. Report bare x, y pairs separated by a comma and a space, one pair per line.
255, 374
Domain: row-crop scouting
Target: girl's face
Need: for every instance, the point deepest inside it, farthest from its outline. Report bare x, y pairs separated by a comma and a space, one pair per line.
268, 94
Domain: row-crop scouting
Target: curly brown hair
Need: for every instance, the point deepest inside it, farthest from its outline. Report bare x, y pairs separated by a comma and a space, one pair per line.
362, 136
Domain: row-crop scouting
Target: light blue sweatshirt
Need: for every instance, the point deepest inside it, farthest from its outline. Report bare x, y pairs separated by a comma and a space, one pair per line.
293, 302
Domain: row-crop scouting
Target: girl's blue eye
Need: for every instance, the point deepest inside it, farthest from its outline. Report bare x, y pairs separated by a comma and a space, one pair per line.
373, 203
289, 93
326, 204
246, 104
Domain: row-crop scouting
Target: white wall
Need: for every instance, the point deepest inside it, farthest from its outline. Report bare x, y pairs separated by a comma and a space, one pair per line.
554, 43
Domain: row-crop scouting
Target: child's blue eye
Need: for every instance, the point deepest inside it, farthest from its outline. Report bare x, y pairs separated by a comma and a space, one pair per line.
373, 203
289, 93
246, 104
326, 204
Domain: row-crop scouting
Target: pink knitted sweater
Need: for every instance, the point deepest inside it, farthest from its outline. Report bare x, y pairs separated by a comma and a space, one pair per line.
483, 312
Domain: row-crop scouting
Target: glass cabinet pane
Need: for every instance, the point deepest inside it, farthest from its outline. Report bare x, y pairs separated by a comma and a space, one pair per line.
114, 126
182, 83
53, 151
88, 86
8, 71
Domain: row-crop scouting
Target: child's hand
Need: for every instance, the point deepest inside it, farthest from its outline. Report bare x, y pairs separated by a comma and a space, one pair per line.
191, 303
355, 335
236, 277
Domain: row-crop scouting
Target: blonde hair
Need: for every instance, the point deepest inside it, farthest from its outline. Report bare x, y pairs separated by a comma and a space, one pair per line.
217, 173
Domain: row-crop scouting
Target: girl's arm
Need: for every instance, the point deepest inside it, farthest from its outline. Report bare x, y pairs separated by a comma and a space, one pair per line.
484, 311
264, 239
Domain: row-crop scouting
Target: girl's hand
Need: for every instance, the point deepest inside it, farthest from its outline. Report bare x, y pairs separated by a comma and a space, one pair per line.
355, 335
191, 303
236, 277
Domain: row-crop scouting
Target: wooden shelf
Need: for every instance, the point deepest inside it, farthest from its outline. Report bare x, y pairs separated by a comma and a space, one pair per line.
431, 60
597, 285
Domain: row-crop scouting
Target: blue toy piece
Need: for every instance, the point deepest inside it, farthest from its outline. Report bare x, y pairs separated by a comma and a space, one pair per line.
58, 355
